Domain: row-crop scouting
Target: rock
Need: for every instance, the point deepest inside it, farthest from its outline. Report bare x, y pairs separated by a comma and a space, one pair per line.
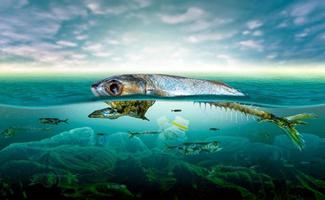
71, 151
79, 137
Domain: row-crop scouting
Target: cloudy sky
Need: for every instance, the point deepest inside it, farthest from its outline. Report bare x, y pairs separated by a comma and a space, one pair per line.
165, 35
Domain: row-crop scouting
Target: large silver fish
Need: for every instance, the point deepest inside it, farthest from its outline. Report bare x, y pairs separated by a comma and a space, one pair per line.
160, 85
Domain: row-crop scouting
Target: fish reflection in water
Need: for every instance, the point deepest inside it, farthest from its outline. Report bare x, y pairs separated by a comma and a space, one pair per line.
116, 109
195, 148
139, 108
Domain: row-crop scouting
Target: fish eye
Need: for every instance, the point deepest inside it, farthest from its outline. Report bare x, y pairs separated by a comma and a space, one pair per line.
114, 88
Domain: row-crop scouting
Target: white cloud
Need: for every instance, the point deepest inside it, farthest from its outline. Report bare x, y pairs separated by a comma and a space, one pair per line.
254, 24
95, 7
31, 24
65, 43
253, 33
81, 37
203, 24
302, 34
203, 37
282, 25
10, 4
251, 44
23, 26
102, 54
78, 56
227, 59
246, 32
300, 20
257, 33
301, 11
191, 14
113, 42
97, 49
39, 52
93, 47
272, 56
98, 8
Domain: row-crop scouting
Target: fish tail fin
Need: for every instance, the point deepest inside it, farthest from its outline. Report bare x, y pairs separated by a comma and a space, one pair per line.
289, 123
295, 136
65, 121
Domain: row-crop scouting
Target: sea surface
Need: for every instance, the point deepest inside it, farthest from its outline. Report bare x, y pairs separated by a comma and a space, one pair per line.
163, 152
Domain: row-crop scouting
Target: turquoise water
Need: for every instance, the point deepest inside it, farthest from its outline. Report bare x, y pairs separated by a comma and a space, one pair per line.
96, 158
50, 91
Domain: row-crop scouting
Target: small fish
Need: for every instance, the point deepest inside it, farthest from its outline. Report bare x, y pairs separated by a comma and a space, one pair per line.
116, 109
176, 110
132, 134
54, 121
214, 129
100, 134
9, 132
196, 148
160, 85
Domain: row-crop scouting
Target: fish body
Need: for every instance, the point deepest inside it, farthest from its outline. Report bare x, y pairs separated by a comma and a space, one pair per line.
195, 148
116, 109
160, 85
176, 110
54, 121
214, 129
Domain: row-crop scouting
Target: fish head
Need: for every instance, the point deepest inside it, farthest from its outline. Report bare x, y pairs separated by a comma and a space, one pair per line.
119, 86
109, 113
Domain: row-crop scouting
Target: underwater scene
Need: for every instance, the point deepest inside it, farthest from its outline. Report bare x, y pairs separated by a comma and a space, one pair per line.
59, 141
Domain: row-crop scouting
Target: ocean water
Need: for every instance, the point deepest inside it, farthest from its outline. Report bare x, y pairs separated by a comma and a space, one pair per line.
99, 158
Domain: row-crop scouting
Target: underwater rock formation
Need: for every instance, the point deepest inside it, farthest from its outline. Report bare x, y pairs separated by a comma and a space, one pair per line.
123, 143
72, 151
72, 165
